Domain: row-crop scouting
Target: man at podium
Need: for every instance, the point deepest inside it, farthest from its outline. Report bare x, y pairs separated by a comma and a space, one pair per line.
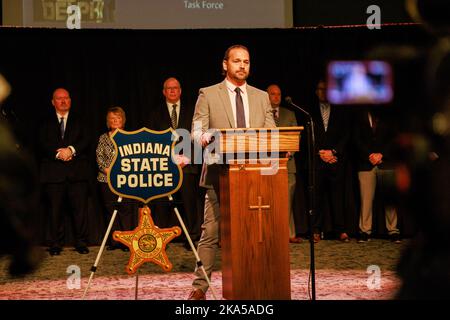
231, 103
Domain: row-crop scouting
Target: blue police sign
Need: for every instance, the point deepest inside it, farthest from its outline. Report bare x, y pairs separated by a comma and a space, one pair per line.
143, 168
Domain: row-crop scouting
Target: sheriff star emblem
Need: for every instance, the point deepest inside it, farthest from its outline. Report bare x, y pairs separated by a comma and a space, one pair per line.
147, 242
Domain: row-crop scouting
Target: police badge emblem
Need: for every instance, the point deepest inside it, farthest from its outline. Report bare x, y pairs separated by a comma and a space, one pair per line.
143, 169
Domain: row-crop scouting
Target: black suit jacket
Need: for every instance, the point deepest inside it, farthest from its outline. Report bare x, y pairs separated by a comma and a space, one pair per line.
335, 138
161, 121
368, 140
56, 171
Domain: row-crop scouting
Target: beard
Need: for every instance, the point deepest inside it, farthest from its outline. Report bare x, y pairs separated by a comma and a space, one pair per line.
240, 75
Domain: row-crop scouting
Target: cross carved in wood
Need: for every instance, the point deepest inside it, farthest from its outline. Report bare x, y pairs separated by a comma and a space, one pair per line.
260, 207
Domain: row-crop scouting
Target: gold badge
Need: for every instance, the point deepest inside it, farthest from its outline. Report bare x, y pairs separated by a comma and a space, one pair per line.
147, 242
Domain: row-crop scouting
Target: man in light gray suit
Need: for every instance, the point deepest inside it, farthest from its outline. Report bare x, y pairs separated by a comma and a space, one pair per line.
286, 118
229, 104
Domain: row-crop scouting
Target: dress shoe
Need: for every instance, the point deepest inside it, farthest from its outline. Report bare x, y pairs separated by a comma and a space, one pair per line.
344, 237
54, 251
111, 248
82, 250
125, 249
197, 294
395, 237
363, 237
295, 240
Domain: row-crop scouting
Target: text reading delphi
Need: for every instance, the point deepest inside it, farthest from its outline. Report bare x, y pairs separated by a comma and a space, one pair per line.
203, 5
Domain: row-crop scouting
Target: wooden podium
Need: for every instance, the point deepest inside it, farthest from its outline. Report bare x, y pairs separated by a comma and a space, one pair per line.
254, 212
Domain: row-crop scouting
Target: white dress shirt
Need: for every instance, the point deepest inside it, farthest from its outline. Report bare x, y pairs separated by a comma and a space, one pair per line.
169, 107
65, 117
232, 94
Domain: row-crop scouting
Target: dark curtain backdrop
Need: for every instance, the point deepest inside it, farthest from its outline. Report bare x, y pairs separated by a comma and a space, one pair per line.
102, 68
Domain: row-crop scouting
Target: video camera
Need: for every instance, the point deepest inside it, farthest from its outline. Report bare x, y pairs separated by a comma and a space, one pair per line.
359, 82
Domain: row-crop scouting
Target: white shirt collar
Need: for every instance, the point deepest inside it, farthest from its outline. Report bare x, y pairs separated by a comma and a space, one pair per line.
232, 87
170, 104
60, 115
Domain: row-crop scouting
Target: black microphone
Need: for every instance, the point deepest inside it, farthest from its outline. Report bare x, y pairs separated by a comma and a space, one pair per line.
311, 193
289, 101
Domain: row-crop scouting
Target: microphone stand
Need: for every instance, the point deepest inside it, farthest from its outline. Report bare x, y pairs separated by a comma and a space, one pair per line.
311, 183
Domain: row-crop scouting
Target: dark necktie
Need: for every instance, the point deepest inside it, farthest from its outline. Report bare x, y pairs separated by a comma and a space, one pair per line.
173, 116
240, 114
373, 122
276, 117
61, 127
325, 110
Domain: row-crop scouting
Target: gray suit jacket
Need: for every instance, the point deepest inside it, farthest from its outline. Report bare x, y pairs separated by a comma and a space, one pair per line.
213, 111
287, 119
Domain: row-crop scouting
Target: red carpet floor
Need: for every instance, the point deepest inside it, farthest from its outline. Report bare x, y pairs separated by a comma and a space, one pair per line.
330, 285
341, 275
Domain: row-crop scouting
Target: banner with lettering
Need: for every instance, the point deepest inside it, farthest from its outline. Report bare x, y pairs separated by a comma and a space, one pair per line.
143, 168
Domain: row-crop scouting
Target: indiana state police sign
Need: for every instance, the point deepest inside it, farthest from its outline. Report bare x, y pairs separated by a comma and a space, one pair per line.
143, 168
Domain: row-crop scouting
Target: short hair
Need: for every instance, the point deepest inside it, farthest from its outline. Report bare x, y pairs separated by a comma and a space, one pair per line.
171, 78
116, 110
273, 85
226, 56
322, 80
59, 88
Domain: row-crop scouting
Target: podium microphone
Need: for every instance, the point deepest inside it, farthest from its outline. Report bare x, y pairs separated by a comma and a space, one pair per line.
289, 102
310, 126
311, 184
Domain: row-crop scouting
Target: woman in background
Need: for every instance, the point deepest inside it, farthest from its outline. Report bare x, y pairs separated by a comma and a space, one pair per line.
115, 119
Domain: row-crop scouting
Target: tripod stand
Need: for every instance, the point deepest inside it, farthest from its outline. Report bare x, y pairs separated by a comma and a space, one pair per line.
102, 247
111, 222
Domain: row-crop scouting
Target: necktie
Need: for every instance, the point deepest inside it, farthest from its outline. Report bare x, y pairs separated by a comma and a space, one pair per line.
61, 127
325, 110
173, 116
373, 122
240, 114
276, 117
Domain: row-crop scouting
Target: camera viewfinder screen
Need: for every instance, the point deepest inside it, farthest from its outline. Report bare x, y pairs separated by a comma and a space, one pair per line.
359, 82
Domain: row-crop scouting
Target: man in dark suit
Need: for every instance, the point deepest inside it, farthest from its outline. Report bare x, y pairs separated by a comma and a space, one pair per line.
331, 136
286, 118
373, 139
177, 113
63, 144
